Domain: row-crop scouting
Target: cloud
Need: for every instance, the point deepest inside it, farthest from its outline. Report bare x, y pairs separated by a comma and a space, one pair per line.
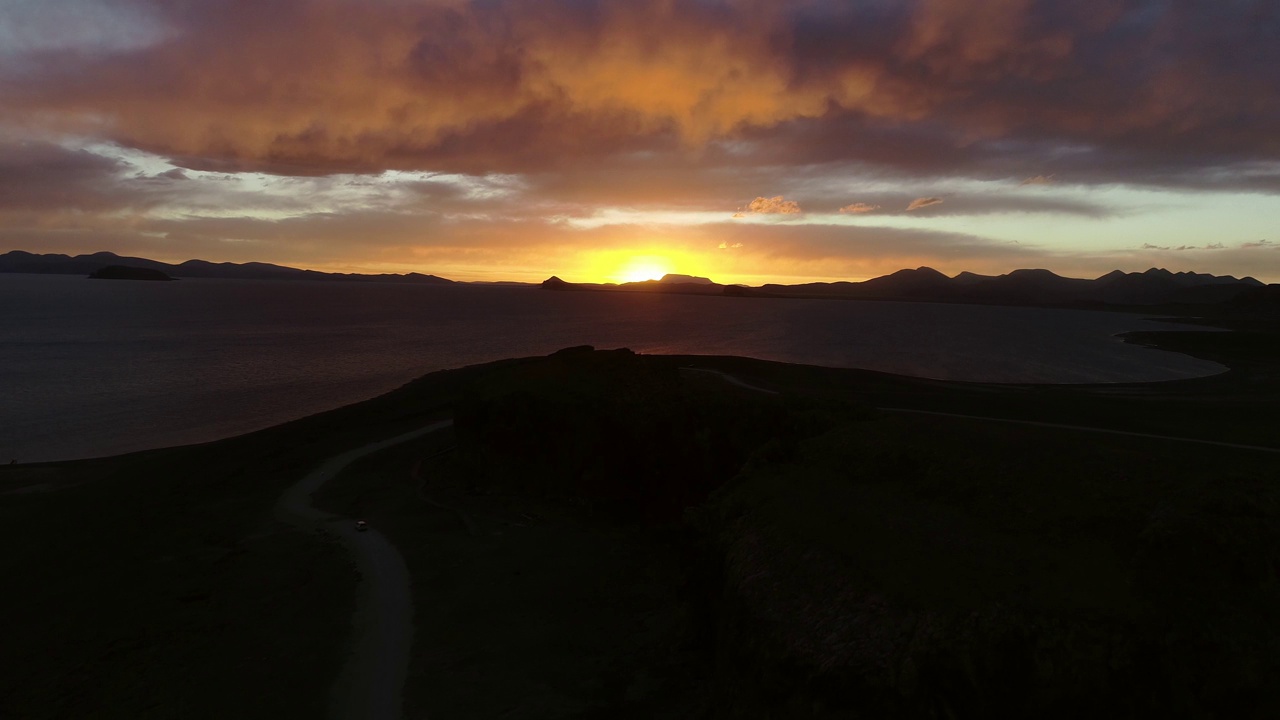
773, 206
923, 202
857, 251
43, 176
1127, 92
1260, 244
1182, 248
726, 246
82, 26
303, 115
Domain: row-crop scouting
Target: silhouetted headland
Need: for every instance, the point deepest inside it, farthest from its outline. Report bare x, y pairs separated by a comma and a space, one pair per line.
693, 536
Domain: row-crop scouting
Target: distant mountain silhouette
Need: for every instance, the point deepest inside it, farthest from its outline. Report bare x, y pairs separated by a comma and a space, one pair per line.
672, 278
555, 283
1155, 286
18, 261
671, 284
968, 278
921, 282
1020, 287
1159, 285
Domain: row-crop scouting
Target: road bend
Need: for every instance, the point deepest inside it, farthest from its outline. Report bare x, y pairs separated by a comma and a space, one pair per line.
371, 684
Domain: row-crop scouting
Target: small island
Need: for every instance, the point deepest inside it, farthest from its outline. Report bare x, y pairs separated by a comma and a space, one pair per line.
125, 272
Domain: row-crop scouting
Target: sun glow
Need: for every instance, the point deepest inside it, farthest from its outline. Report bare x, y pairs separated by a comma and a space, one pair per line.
624, 267
645, 262
644, 268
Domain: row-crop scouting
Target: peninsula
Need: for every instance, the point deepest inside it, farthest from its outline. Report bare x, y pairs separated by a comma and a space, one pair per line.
612, 534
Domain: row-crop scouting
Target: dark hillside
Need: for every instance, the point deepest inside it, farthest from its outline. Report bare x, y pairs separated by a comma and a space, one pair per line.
843, 565
840, 564
978, 571
616, 535
616, 429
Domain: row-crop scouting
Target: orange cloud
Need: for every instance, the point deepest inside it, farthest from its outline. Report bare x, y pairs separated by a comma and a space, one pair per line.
773, 206
924, 202
318, 86
587, 107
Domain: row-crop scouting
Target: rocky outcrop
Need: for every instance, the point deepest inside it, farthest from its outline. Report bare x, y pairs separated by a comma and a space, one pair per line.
555, 283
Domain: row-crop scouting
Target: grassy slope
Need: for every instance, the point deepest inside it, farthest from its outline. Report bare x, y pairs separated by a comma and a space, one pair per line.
980, 569
549, 611
933, 565
566, 601
158, 582
983, 570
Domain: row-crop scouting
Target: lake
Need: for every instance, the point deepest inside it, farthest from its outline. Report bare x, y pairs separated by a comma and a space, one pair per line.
96, 367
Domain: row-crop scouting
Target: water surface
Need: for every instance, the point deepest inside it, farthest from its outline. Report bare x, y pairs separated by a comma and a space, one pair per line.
91, 368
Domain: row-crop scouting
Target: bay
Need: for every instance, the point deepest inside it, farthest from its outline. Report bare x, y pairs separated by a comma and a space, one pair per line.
92, 368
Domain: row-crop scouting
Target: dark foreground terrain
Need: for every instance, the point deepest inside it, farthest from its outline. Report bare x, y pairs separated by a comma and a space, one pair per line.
609, 535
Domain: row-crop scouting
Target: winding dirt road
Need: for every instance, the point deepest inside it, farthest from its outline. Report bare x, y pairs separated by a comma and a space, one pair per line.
732, 380
372, 681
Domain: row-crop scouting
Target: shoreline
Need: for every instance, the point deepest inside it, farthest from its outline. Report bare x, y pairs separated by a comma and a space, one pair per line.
1163, 340
196, 583
551, 547
72, 409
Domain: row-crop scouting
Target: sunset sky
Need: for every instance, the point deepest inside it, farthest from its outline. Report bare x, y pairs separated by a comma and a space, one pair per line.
603, 140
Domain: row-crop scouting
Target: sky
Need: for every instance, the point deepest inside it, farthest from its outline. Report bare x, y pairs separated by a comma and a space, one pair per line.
749, 141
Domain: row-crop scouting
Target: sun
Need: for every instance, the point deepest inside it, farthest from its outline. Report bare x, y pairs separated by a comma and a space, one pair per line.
639, 269
636, 264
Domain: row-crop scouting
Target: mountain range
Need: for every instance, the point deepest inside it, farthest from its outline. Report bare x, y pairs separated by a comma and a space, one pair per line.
18, 261
1156, 286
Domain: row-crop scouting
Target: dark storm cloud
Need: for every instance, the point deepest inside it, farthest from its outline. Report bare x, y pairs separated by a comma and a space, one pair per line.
1130, 90
37, 176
